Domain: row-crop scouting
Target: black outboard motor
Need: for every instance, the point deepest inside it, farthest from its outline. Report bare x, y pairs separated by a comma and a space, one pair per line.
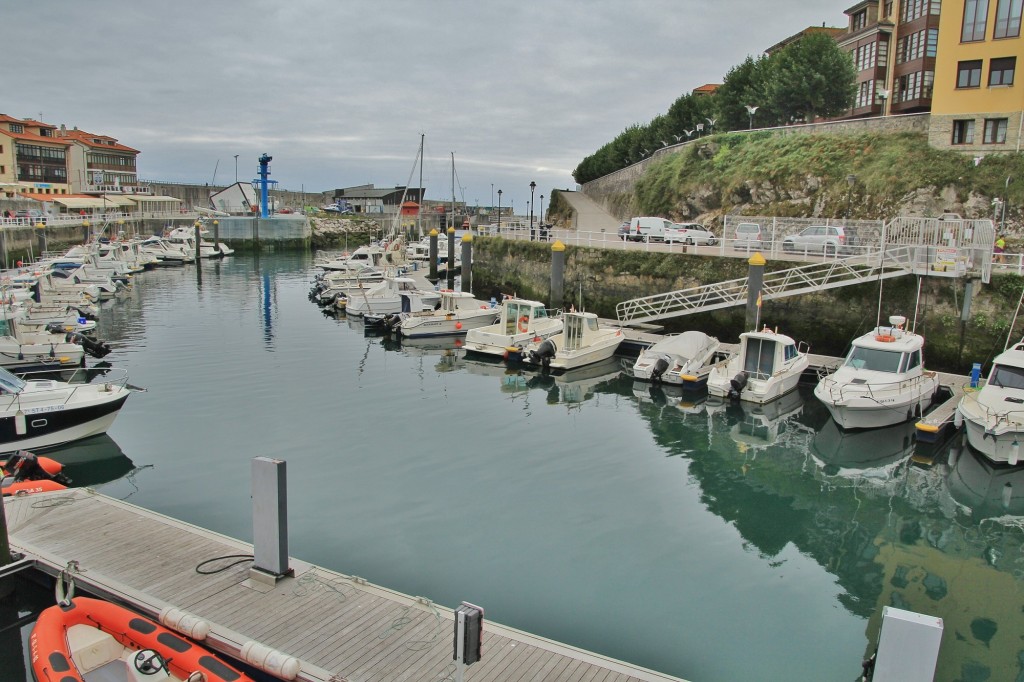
659, 369
97, 349
737, 384
543, 353
392, 322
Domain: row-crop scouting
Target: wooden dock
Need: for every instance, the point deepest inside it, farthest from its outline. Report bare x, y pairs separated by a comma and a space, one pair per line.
340, 627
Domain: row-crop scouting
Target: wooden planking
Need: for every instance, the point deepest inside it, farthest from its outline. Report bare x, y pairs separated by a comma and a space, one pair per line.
339, 626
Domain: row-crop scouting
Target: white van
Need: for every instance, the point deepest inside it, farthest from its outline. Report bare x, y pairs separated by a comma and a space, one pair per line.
649, 229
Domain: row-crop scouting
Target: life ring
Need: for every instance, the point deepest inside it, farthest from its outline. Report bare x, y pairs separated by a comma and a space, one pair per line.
524, 324
885, 338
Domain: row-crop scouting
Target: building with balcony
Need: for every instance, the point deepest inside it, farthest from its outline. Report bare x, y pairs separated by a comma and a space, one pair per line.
32, 157
977, 105
100, 164
867, 38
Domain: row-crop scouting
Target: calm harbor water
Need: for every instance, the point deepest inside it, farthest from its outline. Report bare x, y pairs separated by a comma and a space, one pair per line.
705, 541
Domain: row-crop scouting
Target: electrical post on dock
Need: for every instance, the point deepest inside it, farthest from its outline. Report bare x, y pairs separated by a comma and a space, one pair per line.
451, 257
467, 263
433, 256
469, 632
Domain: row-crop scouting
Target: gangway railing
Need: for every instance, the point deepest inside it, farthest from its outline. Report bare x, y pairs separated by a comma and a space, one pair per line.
894, 262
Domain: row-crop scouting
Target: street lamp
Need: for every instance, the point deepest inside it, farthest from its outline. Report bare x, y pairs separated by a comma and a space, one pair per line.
533, 186
751, 110
540, 220
499, 211
236, 169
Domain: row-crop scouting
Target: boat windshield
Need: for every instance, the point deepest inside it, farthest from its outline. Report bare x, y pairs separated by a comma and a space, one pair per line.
1007, 376
10, 383
874, 359
760, 359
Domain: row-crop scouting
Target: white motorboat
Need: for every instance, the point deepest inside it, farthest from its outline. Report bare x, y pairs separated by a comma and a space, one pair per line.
165, 252
38, 413
993, 416
332, 286
363, 257
678, 359
882, 381
186, 237
767, 366
459, 312
583, 341
520, 322
392, 295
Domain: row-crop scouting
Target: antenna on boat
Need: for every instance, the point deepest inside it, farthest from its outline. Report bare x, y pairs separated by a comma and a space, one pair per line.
1009, 333
917, 303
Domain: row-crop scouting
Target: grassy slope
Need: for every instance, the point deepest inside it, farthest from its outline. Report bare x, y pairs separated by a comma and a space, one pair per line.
804, 175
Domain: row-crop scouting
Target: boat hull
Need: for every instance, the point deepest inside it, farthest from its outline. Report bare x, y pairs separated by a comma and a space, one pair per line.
866, 409
49, 428
498, 345
997, 443
757, 390
413, 326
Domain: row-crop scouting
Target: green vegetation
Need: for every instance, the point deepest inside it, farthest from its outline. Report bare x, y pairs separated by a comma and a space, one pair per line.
796, 175
809, 78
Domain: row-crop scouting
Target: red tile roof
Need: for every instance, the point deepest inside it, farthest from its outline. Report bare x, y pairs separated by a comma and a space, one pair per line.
89, 139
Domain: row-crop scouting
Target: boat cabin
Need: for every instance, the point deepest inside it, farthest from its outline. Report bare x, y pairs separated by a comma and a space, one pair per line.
517, 315
578, 327
766, 353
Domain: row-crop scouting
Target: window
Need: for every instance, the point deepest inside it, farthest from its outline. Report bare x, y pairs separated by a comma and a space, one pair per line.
859, 20
968, 74
1000, 71
963, 132
1007, 19
995, 131
865, 94
975, 18
17, 128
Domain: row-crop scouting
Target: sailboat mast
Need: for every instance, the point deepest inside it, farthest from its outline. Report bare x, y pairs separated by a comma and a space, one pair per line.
453, 189
419, 211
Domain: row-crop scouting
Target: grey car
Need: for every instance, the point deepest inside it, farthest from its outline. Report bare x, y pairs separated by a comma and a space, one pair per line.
827, 240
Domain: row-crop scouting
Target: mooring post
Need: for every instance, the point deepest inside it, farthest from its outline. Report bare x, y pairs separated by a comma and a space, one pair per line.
3, 245
41, 238
755, 280
467, 263
85, 231
557, 274
433, 256
216, 237
269, 520
451, 258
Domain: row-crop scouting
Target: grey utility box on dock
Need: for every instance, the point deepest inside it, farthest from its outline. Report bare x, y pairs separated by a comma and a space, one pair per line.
269, 519
908, 646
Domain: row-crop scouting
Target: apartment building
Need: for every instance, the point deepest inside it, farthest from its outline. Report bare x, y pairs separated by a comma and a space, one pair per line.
977, 105
32, 157
100, 164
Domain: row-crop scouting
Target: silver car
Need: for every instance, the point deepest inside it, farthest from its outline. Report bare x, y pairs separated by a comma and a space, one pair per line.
827, 240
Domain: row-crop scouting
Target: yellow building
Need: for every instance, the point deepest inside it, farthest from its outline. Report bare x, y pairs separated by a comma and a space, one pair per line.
977, 102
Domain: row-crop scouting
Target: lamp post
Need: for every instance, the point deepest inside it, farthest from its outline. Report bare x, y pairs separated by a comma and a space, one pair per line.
540, 218
499, 211
236, 169
533, 186
751, 110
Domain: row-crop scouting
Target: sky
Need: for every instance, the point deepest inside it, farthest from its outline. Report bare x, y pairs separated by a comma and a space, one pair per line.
339, 92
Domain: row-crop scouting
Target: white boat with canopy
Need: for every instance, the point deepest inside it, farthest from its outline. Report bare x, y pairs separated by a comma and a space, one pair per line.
767, 366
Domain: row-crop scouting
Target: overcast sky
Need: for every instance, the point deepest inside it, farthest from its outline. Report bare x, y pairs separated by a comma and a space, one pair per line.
338, 92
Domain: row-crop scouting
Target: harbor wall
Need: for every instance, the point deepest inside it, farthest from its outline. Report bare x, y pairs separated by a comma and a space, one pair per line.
598, 279
193, 195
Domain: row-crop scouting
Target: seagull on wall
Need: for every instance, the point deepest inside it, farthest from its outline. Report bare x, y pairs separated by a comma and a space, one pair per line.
664, 144
678, 137
689, 133
711, 122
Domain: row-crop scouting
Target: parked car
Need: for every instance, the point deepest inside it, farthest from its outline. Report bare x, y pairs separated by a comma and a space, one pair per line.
693, 234
747, 236
624, 230
827, 240
33, 215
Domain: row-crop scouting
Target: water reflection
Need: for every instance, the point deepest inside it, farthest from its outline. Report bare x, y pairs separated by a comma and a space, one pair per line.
850, 453
93, 461
986, 489
754, 425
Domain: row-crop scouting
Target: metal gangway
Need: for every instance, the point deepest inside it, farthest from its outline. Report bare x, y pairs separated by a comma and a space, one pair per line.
893, 260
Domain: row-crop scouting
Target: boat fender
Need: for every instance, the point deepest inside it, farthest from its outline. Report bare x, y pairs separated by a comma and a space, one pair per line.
270, 660
524, 324
737, 384
184, 622
958, 418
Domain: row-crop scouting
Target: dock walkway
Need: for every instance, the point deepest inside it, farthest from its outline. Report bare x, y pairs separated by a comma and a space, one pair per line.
340, 627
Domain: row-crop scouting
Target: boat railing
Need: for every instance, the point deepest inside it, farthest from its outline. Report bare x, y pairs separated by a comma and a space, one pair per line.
881, 388
81, 376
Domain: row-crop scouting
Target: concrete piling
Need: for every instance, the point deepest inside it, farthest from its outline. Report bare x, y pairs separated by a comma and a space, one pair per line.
451, 258
755, 281
557, 274
433, 256
467, 263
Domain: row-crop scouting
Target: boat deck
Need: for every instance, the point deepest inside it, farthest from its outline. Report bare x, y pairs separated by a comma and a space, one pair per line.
340, 627
940, 418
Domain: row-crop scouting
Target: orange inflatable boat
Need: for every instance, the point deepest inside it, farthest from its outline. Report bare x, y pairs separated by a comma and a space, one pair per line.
71, 640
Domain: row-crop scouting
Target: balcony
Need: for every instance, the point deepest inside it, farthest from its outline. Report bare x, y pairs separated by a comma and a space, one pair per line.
144, 190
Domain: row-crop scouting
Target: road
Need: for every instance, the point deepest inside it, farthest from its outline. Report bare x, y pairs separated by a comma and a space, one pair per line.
590, 216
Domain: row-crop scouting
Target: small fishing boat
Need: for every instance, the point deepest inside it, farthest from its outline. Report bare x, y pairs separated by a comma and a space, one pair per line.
38, 413
83, 639
583, 341
520, 321
882, 381
392, 295
993, 415
767, 366
678, 359
24, 473
459, 313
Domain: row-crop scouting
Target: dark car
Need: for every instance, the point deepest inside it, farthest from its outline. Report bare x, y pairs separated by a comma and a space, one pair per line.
624, 230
